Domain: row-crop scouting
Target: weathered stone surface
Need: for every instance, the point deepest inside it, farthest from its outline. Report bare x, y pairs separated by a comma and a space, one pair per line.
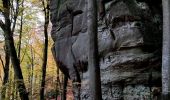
129, 47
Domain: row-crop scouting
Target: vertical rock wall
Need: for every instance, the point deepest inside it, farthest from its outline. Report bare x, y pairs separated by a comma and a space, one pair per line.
129, 47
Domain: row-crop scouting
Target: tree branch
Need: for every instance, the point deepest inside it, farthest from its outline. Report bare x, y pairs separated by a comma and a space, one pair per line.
15, 15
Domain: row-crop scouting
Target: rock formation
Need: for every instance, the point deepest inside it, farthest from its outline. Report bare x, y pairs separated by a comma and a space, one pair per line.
129, 39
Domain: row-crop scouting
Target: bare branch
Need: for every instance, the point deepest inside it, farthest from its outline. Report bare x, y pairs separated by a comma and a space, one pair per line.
16, 12
43, 3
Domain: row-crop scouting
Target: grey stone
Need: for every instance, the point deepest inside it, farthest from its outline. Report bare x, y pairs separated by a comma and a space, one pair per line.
129, 48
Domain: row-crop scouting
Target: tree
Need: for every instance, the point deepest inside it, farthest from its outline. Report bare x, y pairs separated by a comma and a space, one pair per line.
64, 95
6, 70
166, 51
46, 13
8, 34
93, 58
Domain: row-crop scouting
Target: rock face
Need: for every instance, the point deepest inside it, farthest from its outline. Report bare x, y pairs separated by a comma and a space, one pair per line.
129, 39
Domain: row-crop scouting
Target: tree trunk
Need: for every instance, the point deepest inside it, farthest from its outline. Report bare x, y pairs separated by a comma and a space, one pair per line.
32, 74
6, 71
46, 13
58, 84
13, 55
93, 59
64, 96
20, 32
166, 51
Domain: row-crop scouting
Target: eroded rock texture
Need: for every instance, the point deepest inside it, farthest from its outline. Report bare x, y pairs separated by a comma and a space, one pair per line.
129, 39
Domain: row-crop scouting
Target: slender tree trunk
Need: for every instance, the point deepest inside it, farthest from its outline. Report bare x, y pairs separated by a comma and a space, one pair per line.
58, 84
93, 59
7, 57
20, 36
166, 51
46, 12
6, 71
16, 66
32, 74
14, 59
64, 96
20, 32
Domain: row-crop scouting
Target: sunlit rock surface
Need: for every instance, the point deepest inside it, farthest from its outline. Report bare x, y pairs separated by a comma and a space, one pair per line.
129, 47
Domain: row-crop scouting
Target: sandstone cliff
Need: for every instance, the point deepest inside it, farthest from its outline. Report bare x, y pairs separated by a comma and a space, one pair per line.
129, 39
